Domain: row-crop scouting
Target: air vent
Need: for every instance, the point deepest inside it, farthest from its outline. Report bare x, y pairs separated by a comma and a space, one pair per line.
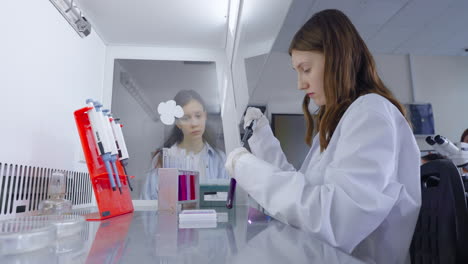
22, 187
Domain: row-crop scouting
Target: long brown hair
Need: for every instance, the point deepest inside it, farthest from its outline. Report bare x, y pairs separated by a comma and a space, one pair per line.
350, 70
465, 133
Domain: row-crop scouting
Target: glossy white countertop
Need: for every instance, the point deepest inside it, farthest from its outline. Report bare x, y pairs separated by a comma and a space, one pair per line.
155, 237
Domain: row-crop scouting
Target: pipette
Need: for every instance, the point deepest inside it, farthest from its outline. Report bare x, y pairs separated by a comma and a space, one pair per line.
114, 152
122, 147
232, 186
94, 115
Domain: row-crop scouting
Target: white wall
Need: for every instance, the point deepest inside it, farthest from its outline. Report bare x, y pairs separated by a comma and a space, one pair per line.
47, 72
443, 81
277, 86
396, 75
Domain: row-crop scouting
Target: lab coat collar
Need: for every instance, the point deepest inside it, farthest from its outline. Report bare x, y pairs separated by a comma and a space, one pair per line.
211, 151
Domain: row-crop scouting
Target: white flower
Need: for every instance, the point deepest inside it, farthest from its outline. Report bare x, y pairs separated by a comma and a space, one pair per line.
169, 111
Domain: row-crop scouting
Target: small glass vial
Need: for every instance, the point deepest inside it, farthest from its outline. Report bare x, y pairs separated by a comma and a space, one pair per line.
56, 204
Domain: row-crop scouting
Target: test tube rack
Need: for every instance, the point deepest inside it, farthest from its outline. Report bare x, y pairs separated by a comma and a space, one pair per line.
178, 187
110, 203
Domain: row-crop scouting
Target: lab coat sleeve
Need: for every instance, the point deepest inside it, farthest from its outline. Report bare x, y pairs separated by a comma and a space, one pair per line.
266, 146
356, 195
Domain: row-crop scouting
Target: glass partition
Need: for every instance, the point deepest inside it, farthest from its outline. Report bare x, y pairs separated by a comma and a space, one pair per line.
138, 89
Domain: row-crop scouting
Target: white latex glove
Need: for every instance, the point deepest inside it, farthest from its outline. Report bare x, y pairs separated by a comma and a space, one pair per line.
254, 114
232, 159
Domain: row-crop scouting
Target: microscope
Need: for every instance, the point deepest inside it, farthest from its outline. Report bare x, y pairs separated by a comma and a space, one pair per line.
457, 154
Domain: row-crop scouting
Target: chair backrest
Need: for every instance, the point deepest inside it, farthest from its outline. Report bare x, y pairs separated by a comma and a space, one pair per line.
441, 232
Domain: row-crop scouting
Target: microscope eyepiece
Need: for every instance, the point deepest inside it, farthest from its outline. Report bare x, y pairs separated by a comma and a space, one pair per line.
439, 139
430, 140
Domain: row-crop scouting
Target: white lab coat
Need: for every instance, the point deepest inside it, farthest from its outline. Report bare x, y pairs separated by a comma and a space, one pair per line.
364, 186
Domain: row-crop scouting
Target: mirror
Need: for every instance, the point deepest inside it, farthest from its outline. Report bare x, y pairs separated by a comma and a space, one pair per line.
139, 86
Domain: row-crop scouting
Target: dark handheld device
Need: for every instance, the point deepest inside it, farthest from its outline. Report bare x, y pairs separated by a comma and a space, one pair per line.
232, 186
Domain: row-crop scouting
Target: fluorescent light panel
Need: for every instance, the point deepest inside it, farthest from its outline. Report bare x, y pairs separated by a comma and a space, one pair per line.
72, 14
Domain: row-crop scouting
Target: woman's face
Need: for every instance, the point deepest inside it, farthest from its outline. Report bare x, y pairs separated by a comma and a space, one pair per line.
193, 122
310, 66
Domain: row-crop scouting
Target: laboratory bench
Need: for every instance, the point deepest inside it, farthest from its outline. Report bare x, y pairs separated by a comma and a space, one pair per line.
240, 235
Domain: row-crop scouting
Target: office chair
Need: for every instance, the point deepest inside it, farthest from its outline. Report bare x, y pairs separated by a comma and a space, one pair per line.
441, 231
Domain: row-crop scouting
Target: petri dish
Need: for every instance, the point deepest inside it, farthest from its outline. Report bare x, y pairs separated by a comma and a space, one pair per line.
66, 225
25, 234
29, 233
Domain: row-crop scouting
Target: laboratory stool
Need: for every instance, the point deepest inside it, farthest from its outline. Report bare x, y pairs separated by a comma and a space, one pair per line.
441, 233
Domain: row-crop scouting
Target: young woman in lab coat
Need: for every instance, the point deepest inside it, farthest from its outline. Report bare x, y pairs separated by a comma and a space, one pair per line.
189, 135
360, 182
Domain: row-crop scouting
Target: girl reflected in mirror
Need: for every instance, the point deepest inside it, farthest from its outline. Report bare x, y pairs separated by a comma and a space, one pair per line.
190, 134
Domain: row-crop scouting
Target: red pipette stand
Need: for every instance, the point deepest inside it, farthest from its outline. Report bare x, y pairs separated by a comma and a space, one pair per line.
110, 203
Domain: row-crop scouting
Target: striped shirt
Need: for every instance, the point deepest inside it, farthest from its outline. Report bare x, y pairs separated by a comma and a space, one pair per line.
211, 170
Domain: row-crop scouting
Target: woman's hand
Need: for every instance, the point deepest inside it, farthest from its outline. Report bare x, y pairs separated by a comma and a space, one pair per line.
232, 159
254, 114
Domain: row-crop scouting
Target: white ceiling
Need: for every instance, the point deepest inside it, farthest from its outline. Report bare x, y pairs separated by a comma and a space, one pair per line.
174, 23
260, 21
421, 27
